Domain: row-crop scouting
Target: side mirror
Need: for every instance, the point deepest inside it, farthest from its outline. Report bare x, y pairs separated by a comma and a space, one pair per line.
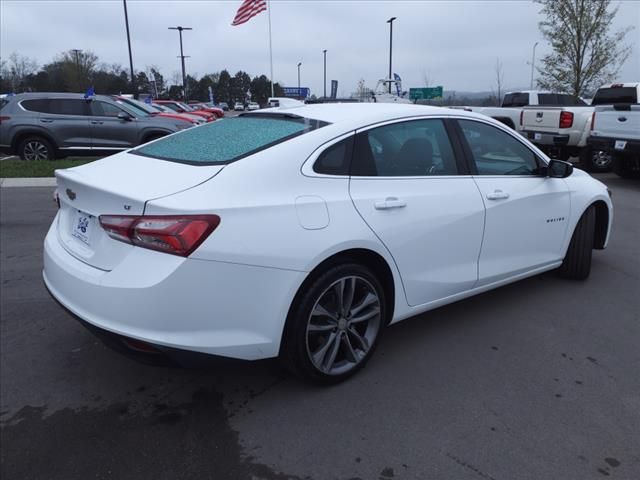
124, 116
559, 169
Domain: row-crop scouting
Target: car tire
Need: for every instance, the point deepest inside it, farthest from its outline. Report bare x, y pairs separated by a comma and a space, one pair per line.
327, 340
36, 148
622, 167
577, 262
596, 161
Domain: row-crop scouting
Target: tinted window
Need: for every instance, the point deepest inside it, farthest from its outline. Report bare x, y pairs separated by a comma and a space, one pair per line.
36, 105
613, 95
407, 149
64, 106
336, 159
496, 152
229, 139
559, 99
517, 99
104, 109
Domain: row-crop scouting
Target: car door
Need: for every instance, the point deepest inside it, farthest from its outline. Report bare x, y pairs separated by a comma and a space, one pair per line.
526, 211
407, 185
109, 131
67, 121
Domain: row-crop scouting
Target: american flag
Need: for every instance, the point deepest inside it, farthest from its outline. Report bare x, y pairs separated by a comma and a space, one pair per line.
248, 9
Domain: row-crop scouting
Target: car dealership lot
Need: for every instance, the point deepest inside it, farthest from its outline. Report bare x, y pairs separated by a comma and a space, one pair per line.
534, 380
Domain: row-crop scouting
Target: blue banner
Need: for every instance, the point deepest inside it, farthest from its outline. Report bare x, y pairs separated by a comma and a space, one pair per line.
295, 92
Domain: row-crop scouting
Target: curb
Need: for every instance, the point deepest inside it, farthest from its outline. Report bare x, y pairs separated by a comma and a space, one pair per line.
27, 182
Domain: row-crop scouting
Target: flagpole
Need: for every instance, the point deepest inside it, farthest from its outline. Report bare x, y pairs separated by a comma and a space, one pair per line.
270, 48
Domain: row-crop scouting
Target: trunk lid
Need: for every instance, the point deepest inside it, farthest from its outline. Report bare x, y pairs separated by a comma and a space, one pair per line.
120, 184
621, 124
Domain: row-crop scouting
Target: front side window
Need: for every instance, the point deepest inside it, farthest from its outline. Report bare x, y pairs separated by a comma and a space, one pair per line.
413, 148
495, 152
229, 139
104, 109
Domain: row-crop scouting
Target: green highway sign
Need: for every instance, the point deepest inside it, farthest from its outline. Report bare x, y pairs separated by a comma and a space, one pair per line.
425, 93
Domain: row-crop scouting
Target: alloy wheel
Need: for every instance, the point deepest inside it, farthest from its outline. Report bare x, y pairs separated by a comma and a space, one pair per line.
35, 150
601, 159
343, 325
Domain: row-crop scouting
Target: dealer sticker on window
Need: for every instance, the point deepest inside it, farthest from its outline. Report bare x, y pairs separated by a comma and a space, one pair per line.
620, 144
81, 228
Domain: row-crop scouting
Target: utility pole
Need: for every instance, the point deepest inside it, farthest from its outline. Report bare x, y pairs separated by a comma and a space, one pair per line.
533, 63
325, 74
77, 53
299, 64
390, 22
182, 57
133, 77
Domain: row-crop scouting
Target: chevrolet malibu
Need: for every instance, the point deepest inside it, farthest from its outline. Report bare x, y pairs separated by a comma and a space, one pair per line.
303, 232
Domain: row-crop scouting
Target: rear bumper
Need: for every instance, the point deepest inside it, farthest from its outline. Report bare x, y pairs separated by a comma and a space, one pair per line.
214, 308
550, 139
608, 144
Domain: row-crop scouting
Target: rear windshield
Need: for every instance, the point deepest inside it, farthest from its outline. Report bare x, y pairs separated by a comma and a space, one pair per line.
559, 99
229, 139
613, 95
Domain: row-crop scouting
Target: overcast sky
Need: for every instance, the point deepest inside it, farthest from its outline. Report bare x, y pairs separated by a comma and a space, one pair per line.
455, 43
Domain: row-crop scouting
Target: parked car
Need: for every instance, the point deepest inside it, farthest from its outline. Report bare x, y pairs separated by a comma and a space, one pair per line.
184, 108
238, 106
224, 106
150, 109
510, 113
218, 112
253, 106
616, 130
564, 131
46, 126
421, 207
198, 119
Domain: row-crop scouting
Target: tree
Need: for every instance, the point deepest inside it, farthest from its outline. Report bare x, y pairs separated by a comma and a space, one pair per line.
222, 90
585, 55
16, 70
499, 82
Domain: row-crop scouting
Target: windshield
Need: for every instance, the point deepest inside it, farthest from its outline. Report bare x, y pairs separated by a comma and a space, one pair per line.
229, 139
133, 109
141, 105
186, 107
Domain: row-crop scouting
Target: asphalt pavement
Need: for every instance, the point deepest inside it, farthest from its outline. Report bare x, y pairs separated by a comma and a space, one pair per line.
536, 380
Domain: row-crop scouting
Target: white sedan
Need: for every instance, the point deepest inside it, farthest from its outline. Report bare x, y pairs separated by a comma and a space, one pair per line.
301, 233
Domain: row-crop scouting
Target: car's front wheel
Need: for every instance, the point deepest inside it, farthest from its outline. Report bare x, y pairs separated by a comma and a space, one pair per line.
334, 324
577, 262
36, 148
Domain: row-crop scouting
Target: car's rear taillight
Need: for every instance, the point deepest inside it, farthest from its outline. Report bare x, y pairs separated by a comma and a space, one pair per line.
4, 117
175, 234
593, 121
566, 119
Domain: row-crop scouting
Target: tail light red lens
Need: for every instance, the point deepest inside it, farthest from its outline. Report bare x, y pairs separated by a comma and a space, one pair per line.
566, 119
175, 234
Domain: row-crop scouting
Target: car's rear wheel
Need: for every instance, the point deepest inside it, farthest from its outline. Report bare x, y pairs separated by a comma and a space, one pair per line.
595, 160
36, 148
334, 324
577, 262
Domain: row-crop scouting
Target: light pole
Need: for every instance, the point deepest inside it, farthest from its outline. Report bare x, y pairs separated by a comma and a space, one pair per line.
77, 53
182, 57
325, 73
299, 64
533, 62
133, 78
390, 22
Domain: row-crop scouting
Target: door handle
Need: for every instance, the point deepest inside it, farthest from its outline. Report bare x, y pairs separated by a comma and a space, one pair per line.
389, 203
46, 120
96, 122
497, 195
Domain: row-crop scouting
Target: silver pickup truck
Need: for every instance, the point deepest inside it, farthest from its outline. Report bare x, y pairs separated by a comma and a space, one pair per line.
616, 129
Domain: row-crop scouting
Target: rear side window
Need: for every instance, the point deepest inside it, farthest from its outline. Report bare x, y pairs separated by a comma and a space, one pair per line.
517, 99
64, 106
40, 105
229, 139
414, 148
613, 95
336, 159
